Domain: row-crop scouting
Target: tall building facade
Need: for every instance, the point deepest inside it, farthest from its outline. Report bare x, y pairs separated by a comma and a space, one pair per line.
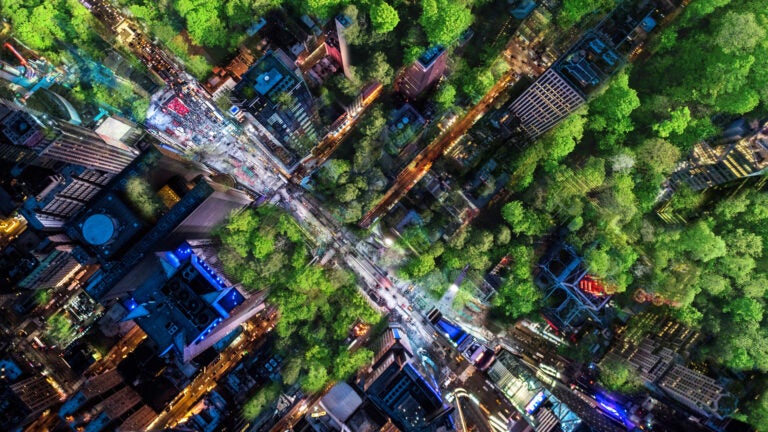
36, 394
185, 305
53, 271
542, 105
80, 146
710, 166
105, 403
537, 403
25, 140
67, 192
402, 392
424, 72
336, 43
698, 392
278, 104
659, 360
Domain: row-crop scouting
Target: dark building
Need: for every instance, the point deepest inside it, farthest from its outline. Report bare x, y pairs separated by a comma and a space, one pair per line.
52, 272
185, 304
106, 403
33, 396
62, 196
424, 72
20, 134
277, 103
397, 388
26, 140
576, 298
709, 166
118, 238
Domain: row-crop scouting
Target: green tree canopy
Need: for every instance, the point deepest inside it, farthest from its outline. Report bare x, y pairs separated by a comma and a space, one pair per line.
609, 113
618, 375
384, 17
520, 219
739, 32
572, 11
444, 20
446, 96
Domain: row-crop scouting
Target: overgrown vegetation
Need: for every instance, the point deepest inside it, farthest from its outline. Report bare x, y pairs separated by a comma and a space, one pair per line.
143, 198
64, 31
618, 376
264, 248
59, 328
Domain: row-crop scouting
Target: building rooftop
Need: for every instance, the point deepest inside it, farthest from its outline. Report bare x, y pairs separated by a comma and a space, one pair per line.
98, 229
19, 128
430, 55
269, 76
181, 300
342, 401
267, 80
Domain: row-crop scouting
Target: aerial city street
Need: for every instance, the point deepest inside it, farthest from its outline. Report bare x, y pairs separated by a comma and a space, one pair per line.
416, 216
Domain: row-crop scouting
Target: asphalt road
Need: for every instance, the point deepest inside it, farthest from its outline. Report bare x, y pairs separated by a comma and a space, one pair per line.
422, 163
206, 380
127, 344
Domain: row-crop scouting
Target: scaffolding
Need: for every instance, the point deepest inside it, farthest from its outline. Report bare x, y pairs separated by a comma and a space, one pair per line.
560, 273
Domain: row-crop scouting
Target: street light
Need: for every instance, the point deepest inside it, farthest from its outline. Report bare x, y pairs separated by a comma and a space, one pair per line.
388, 241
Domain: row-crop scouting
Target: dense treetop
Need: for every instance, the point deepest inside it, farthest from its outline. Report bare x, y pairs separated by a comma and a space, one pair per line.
264, 248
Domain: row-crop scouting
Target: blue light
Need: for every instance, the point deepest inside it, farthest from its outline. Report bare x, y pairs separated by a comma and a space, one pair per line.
609, 408
536, 402
130, 304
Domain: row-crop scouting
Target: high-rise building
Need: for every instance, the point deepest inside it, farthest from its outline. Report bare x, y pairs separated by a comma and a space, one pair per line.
25, 140
36, 395
66, 193
542, 105
659, 361
80, 146
540, 407
185, 305
710, 166
565, 86
105, 403
20, 134
402, 392
424, 72
53, 271
278, 104
336, 43
696, 391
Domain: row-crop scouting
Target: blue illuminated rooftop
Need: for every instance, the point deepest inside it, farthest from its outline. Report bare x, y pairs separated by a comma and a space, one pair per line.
267, 80
231, 300
648, 23
430, 55
454, 332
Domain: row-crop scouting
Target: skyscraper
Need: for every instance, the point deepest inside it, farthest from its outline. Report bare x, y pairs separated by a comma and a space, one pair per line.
336, 43
424, 72
542, 105
710, 166
80, 146
65, 194
53, 271
277, 102
26, 140
185, 305
400, 390
36, 394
